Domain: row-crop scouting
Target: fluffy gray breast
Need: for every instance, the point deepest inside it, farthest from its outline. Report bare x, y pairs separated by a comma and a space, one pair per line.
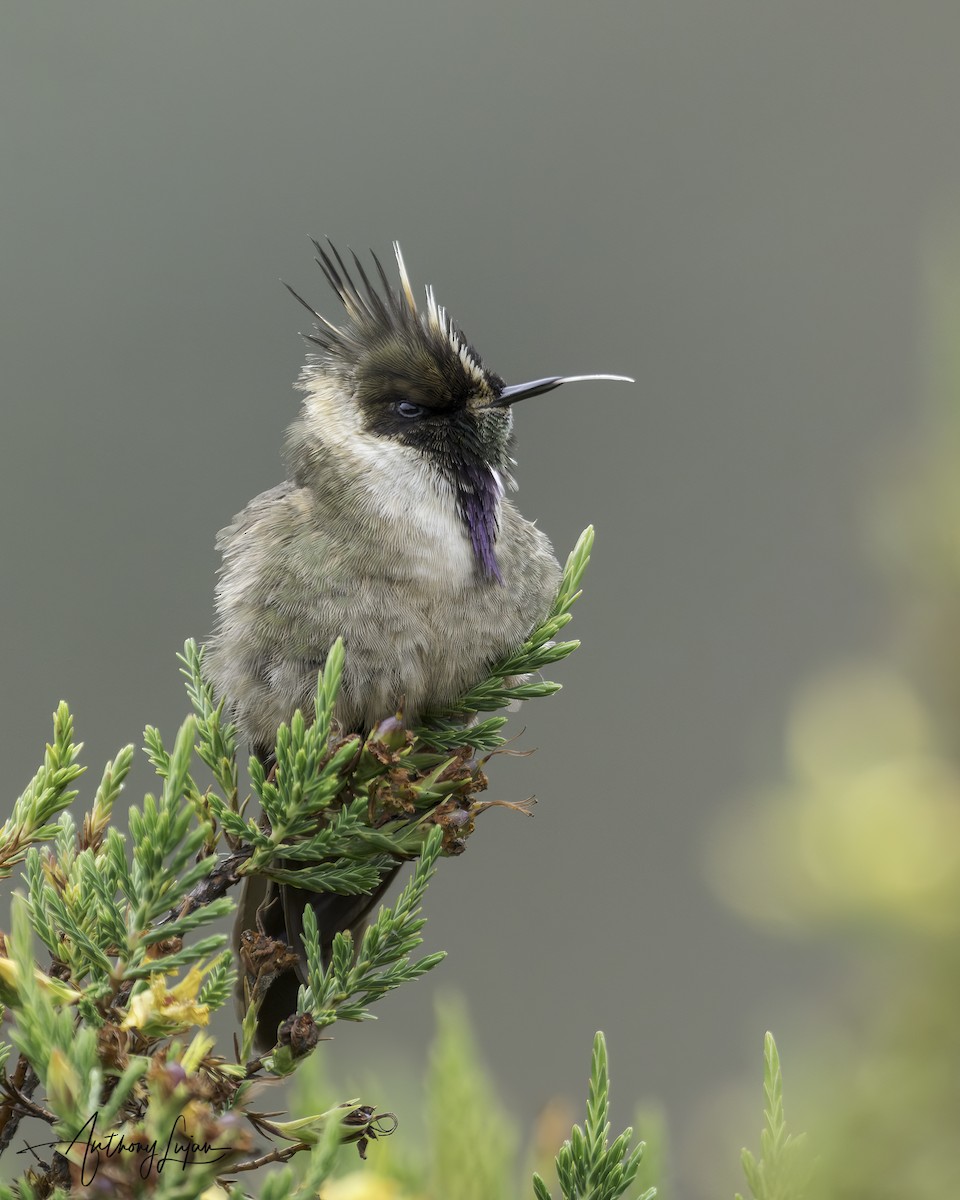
420, 623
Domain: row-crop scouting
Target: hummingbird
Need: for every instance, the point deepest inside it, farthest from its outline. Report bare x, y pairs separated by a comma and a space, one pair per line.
394, 532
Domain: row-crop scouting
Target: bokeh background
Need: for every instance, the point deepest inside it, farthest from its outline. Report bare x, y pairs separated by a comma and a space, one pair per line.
748, 207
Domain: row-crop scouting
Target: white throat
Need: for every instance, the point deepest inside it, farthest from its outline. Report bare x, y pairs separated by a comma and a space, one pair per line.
401, 494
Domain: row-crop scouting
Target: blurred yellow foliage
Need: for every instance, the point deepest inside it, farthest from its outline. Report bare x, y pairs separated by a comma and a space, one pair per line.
867, 826
863, 834
364, 1185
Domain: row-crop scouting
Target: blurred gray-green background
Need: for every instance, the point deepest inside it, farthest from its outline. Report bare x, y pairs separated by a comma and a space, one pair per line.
728, 201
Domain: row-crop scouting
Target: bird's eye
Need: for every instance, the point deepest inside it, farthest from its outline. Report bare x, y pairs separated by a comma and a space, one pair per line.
406, 408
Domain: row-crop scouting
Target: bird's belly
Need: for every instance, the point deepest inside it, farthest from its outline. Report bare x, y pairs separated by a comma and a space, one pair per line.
418, 656
417, 633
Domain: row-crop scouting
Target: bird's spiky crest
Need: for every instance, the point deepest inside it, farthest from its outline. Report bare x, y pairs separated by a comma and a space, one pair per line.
374, 316
404, 278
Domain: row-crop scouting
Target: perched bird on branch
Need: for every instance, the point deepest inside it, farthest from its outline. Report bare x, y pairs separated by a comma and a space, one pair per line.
393, 532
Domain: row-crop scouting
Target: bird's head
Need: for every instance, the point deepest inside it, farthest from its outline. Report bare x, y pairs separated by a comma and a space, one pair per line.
393, 372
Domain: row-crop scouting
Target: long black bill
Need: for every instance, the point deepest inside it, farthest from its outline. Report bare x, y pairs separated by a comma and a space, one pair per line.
536, 387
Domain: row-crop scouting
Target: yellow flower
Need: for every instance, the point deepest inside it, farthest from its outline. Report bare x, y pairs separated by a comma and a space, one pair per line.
159, 1010
64, 1088
10, 985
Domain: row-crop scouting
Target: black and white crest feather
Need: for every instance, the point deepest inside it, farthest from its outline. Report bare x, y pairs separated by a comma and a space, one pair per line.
378, 318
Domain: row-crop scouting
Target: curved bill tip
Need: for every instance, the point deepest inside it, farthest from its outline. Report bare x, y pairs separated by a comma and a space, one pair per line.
536, 387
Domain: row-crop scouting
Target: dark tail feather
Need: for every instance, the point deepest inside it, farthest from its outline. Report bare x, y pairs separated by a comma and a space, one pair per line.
268, 937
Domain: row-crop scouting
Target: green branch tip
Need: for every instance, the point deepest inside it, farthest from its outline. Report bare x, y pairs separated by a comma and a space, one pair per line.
588, 1165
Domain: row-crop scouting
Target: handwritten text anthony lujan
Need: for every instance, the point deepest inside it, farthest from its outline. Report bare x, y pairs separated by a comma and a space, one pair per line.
179, 1147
